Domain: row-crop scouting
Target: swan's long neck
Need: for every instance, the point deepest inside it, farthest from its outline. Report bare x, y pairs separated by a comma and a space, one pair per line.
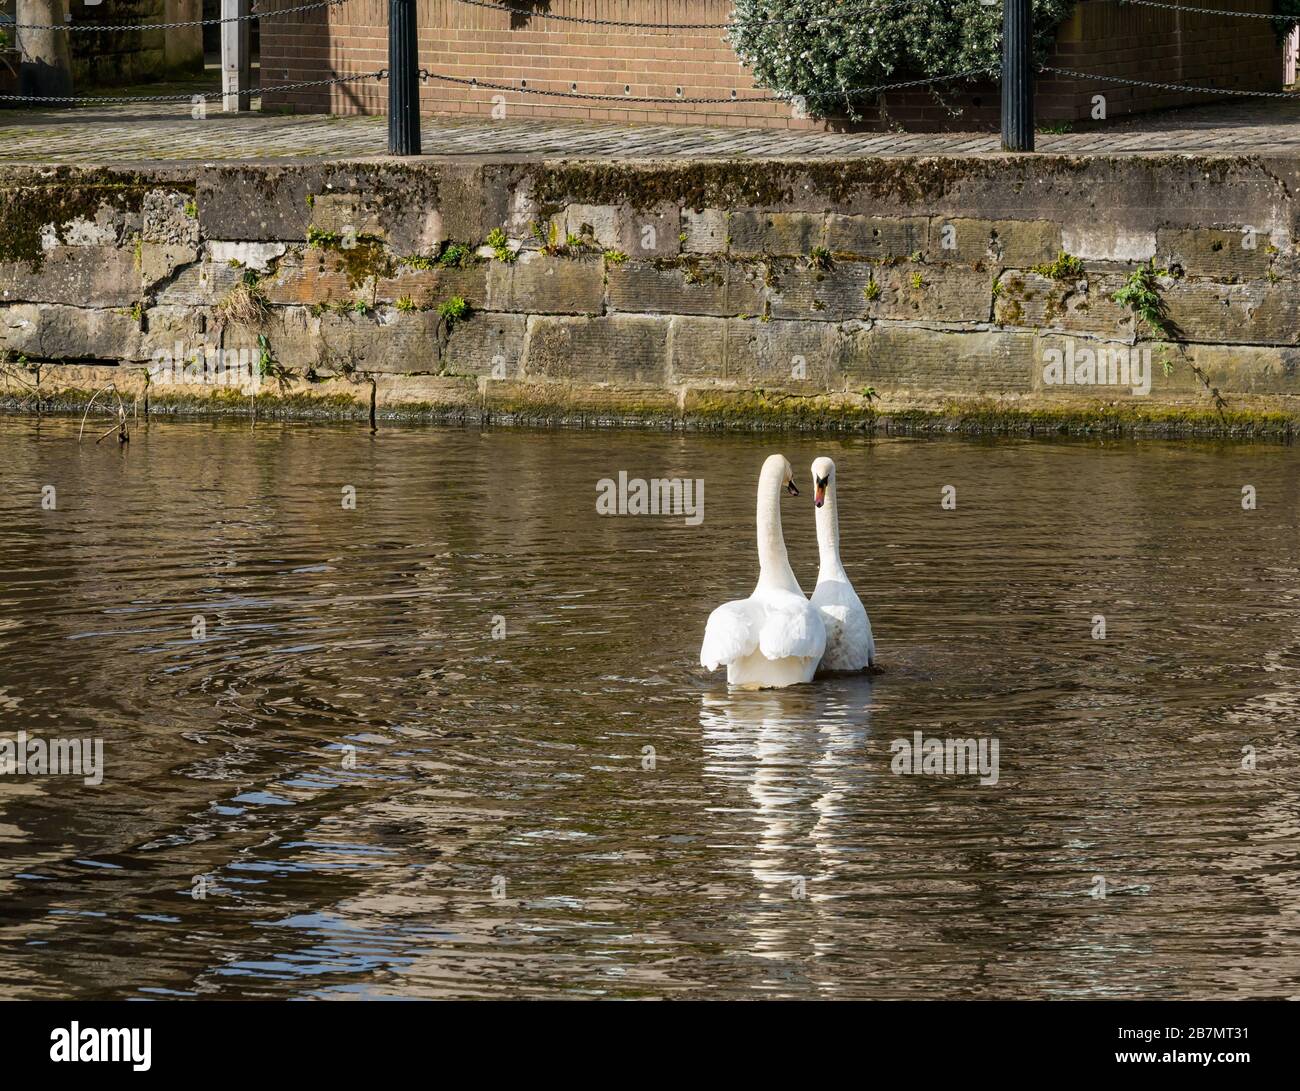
774, 570
828, 538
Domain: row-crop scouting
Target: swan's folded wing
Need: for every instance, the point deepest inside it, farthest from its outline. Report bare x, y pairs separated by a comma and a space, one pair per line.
870, 638
849, 641
731, 634
792, 627
833, 618
857, 645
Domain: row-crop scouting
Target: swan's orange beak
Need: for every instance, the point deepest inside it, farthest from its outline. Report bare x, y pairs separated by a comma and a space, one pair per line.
819, 495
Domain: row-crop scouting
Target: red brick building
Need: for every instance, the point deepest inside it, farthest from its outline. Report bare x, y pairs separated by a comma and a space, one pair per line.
531, 53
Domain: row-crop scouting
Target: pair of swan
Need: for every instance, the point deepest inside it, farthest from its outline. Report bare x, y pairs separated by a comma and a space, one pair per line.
776, 637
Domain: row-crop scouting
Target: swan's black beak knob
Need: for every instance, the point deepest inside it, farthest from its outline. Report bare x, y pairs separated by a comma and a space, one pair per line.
789, 487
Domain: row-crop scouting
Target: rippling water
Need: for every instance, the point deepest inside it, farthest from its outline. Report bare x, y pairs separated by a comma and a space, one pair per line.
380, 799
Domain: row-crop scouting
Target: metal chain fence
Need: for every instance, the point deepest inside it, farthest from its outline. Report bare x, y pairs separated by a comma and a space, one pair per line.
77, 28
733, 98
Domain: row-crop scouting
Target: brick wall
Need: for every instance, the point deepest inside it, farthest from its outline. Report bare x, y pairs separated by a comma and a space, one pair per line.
1164, 47
531, 54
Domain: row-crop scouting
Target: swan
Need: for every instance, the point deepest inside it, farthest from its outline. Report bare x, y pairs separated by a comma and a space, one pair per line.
849, 643
774, 638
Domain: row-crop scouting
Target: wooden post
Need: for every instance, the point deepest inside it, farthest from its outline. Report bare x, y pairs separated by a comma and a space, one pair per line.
236, 56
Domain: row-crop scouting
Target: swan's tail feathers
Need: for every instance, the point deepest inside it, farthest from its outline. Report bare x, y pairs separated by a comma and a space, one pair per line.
796, 630
731, 634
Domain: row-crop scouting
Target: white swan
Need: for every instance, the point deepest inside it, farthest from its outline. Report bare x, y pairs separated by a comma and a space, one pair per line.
774, 638
849, 643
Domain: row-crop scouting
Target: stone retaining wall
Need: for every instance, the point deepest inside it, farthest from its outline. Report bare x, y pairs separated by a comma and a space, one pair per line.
889, 292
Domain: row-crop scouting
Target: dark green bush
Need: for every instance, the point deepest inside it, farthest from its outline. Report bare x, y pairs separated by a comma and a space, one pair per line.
817, 50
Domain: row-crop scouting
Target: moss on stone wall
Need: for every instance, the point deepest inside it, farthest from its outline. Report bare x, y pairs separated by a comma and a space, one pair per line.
26, 212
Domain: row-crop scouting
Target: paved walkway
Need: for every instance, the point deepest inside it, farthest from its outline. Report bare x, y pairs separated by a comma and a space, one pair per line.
151, 132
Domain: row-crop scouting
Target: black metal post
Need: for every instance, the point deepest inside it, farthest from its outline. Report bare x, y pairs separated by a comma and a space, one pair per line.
1017, 76
403, 80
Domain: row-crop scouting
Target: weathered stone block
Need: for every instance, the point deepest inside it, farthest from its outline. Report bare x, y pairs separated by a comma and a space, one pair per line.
489, 344
1117, 371
429, 287
166, 218
539, 284
324, 275
83, 276
1091, 368
597, 222
388, 341
42, 217
1215, 252
350, 215
911, 358
398, 392
293, 334
793, 355
473, 198
258, 256
391, 341
1237, 369
158, 261
1014, 244
1033, 300
1251, 313
877, 237
312, 276
77, 381
267, 204
278, 202
640, 233
836, 294
173, 330
613, 349
942, 293
650, 232
775, 233
59, 332
688, 286
202, 284
1103, 239
704, 232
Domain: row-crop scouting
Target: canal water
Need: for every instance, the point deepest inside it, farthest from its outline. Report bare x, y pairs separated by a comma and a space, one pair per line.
454, 741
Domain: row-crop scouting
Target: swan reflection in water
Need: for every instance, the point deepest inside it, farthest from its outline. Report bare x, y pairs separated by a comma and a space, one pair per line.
801, 755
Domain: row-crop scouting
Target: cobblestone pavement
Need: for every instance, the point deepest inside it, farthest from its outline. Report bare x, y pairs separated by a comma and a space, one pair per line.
151, 132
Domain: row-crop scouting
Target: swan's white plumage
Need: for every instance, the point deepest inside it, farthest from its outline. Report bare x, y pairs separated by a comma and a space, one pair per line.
790, 628
850, 645
775, 637
731, 633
